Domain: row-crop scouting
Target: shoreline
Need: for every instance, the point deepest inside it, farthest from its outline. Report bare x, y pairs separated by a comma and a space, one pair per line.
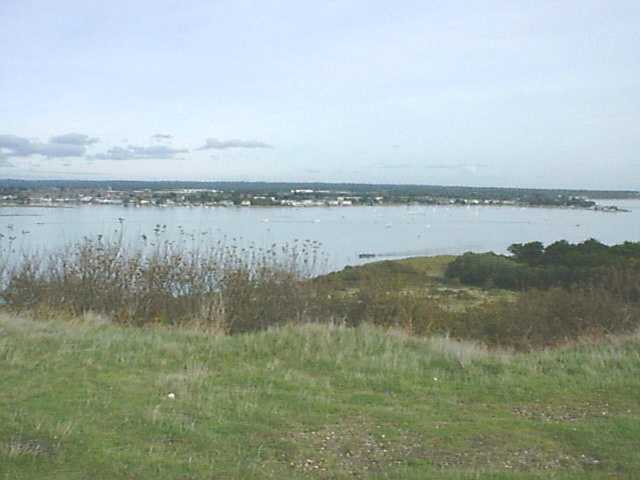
597, 208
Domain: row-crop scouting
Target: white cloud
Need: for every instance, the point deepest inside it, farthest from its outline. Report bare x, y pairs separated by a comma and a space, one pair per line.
14, 146
74, 139
134, 152
214, 143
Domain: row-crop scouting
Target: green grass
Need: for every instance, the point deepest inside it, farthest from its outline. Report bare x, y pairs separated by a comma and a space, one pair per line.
409, 272
88, 400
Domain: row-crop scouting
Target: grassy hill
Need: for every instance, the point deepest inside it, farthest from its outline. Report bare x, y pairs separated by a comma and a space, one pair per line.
87, 399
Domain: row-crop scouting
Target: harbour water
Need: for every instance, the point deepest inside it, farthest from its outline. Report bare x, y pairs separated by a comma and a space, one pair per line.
344, 233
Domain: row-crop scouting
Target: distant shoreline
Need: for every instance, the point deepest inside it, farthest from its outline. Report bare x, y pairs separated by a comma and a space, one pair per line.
597, 208
263, 186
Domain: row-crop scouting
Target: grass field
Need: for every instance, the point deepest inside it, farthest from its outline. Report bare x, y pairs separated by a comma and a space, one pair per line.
91, 400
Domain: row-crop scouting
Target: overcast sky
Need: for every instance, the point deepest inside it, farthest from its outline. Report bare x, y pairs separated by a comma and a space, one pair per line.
510, 93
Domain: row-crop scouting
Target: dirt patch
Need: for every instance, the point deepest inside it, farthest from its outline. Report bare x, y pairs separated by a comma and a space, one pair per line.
485, 452
29, 447
358, 448
355, 448
563, 413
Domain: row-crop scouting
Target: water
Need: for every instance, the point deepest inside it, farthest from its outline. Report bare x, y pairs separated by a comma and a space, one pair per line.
388, 232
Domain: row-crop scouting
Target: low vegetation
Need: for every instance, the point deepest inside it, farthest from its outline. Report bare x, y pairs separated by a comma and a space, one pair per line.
225, 287
91, 399
388, 370
233, 290
560, 264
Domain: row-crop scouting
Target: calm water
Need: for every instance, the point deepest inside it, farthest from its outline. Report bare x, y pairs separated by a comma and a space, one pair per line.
389, 232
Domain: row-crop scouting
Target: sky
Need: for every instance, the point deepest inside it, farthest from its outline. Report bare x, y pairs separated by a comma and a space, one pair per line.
488, 93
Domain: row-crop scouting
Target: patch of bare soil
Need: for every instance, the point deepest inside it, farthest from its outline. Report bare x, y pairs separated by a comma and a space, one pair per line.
29, 447
357, 448
563, 413
489, 452
354, 447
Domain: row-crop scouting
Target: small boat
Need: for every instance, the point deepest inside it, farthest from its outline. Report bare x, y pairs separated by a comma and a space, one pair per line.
366, 255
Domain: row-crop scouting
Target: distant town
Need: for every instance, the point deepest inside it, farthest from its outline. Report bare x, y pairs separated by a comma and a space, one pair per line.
258, 194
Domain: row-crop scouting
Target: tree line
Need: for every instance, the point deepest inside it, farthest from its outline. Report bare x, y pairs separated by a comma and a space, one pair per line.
560, 264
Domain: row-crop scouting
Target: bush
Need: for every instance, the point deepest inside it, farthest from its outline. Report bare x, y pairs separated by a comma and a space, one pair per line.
489, 270
233, 289
546, 318
378, 299
560, 264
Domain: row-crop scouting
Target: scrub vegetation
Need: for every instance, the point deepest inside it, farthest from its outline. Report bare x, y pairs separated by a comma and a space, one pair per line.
589, 289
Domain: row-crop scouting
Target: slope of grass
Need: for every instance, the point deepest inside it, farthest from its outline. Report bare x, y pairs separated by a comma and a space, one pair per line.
407, 273
416, 276
84, 399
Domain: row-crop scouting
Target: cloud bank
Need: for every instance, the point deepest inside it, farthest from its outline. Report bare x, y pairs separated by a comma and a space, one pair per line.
69, 145
134, 152
214, 143
74, 139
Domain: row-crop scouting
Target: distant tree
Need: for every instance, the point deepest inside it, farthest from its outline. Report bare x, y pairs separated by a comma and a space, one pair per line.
592, 247
560, 264
530, 253
556, 252
626, 249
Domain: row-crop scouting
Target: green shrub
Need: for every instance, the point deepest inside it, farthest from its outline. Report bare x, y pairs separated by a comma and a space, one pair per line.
531, 265
546, 318
489, 270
